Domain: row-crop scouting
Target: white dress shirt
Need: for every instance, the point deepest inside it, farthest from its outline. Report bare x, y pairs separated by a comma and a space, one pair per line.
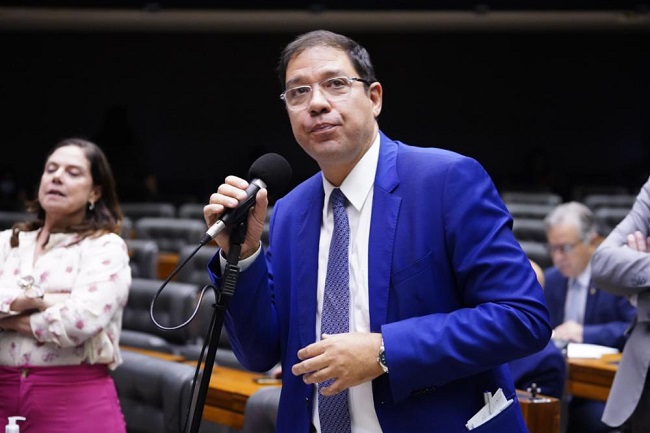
358, 189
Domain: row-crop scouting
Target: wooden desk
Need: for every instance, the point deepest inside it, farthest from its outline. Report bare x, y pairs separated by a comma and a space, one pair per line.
542, 414
230, 389
592, 378
155, 353
227, 395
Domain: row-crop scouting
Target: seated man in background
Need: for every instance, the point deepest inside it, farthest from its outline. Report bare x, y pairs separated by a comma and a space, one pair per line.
579, 311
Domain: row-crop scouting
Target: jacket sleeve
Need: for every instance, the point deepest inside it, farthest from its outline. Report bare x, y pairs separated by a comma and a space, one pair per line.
617, 268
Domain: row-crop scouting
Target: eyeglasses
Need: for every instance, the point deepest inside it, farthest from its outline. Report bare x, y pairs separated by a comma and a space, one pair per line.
562, 248
334, 89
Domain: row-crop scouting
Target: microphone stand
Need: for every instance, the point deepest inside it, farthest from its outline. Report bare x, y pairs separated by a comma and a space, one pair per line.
229, 281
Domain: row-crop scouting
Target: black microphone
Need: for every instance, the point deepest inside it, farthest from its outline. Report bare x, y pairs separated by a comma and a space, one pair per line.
270, 171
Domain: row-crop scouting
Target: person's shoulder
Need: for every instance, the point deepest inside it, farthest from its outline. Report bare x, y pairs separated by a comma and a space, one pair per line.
308, 186
431, 159
105, 239
411, 151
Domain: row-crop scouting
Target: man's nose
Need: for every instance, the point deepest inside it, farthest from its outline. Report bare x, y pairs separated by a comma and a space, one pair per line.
318, 102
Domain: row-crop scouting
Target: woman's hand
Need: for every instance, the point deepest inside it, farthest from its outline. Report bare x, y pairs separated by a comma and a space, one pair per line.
19, 323
23, 304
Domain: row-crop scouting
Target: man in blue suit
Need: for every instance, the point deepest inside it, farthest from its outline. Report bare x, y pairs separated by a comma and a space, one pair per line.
438, 297
580, 311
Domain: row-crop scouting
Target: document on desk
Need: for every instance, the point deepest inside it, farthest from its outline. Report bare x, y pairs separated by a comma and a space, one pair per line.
584, 350
494, 404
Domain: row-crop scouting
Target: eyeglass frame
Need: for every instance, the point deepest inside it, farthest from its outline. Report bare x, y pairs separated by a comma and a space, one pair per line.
565, 248
311, 89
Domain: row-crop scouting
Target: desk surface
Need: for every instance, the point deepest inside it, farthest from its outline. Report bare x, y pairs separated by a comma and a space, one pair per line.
592, 378
155, 353
227, 394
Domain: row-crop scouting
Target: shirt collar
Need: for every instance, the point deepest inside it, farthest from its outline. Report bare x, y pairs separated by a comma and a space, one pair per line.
358, 183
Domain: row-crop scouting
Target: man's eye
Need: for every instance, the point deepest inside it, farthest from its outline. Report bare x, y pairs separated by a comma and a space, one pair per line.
336, 83
300, 91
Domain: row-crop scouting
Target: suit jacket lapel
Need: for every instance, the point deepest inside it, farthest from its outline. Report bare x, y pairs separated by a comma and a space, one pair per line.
385, 209
307, 240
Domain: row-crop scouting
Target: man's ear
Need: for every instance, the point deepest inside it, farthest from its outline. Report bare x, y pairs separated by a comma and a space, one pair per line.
376, 93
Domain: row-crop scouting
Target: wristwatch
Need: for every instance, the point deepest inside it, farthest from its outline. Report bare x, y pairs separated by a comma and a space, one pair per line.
381, 357
30, 290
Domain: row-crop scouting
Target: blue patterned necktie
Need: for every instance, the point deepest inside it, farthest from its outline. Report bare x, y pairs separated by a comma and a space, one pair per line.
333, 411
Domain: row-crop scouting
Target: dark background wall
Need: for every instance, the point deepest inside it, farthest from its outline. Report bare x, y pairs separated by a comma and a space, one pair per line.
540, 110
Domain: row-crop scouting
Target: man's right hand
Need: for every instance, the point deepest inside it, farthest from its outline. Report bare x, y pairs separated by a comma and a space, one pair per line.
228, 196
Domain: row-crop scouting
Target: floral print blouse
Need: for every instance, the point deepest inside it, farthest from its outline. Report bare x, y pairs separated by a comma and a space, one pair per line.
87, 280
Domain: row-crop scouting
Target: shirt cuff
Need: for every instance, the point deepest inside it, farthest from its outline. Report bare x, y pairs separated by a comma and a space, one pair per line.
243, 264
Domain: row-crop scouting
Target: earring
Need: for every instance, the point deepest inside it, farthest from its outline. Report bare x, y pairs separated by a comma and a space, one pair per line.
91, 205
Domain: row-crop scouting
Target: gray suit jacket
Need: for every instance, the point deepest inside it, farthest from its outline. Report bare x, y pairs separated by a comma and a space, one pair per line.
620, 270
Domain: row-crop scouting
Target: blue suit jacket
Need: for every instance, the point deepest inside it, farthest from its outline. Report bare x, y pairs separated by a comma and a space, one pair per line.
450, 290
607, 316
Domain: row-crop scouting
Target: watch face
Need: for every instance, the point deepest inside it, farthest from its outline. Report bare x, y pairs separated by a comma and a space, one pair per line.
382, 360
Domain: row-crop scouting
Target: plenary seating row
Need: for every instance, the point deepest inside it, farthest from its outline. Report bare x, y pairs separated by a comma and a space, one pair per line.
175, 305
155, 395
9, 218
144, 256
171, 234
528, 197
137, 210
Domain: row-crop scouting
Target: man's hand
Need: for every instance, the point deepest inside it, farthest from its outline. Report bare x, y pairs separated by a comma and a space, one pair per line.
638, 242
570, 331
350, 359
228, 196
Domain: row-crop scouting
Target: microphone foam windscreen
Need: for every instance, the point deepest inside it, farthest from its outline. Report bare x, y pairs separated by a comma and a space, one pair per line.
273, 169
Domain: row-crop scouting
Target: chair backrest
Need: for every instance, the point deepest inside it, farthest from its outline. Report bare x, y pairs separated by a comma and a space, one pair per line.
137, 210
529, 210
127, 231
191, 210
199, 329
9, 218
143, 254
195, 270
173, 307
609, 217
154, 393
537, 252
171, 234
528, 229
597, 201
531, 197
261, 410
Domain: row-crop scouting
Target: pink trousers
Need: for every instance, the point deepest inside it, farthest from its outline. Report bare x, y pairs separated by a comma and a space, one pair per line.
68, 399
